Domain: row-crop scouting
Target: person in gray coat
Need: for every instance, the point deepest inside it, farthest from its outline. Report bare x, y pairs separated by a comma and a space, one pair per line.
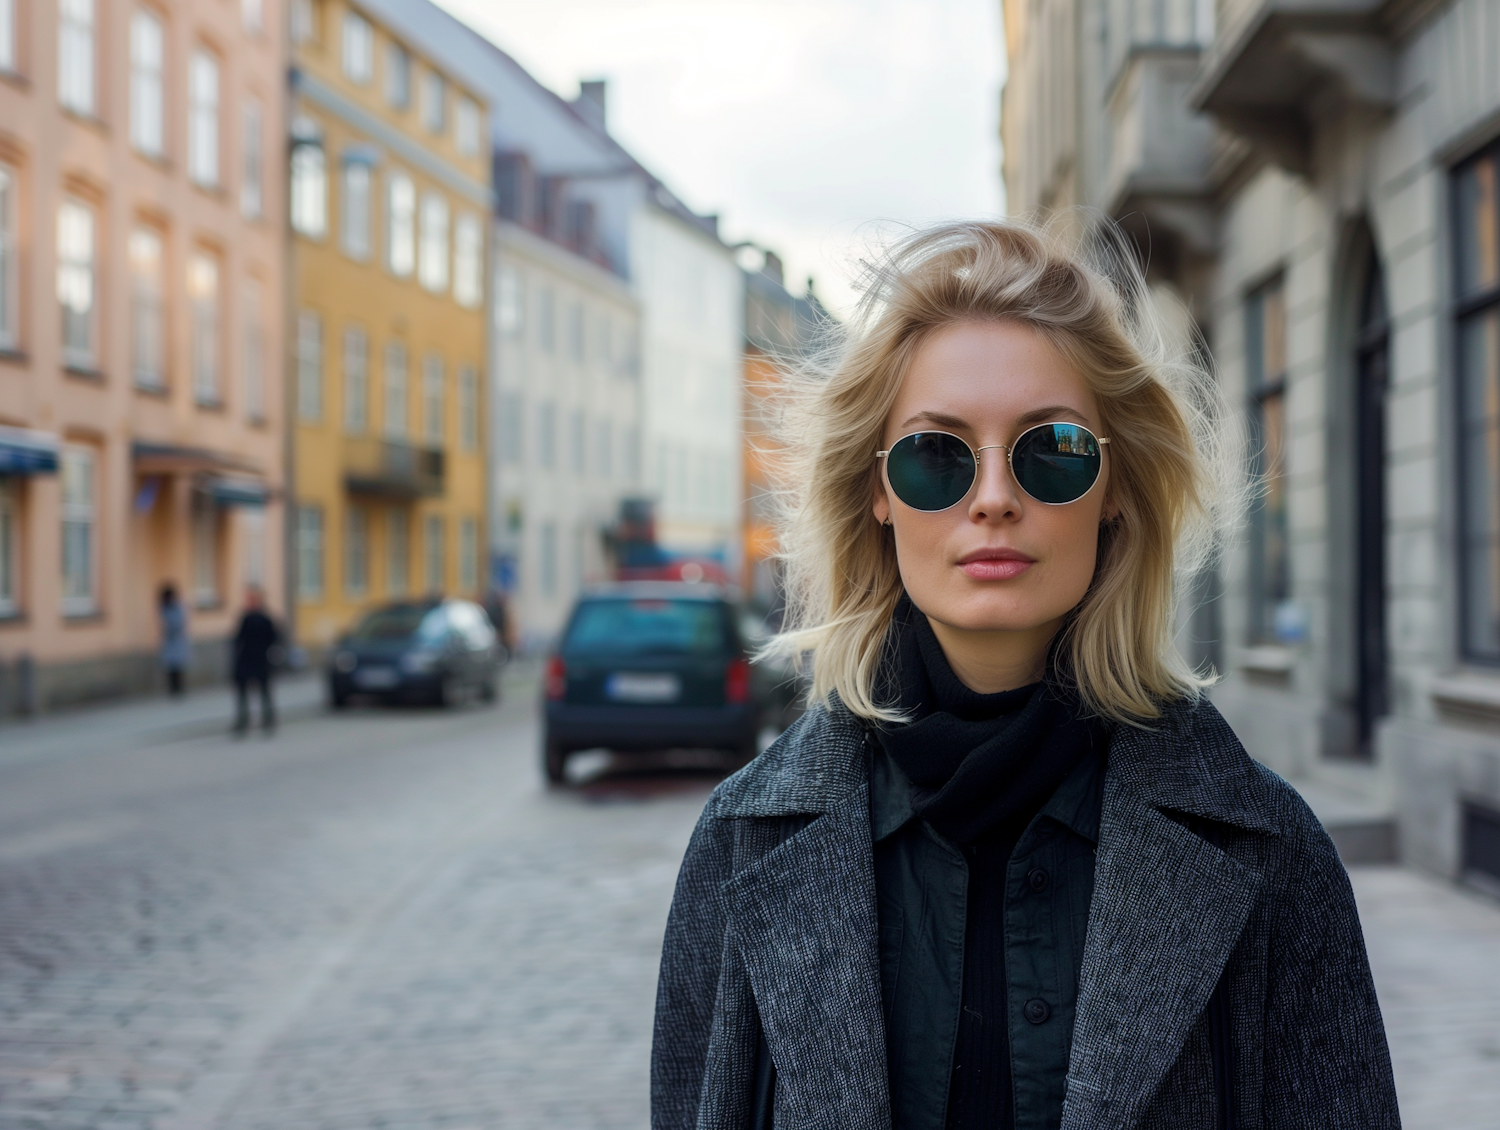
176, 651
1011, 868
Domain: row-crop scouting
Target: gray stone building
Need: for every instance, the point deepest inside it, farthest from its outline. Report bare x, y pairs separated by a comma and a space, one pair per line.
1318, 182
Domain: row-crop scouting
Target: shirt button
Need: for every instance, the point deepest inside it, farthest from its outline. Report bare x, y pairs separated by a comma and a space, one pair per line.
1036, 1010
1037, 878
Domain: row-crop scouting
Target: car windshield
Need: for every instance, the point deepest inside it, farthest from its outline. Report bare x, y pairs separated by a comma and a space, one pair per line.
648, 627
399, 622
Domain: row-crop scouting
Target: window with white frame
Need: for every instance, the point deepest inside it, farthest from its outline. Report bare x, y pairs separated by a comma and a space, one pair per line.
579, 441
397, 76
393, 406
147, 312
356, 551
576, 332
468, 408
255, 352
75, 283
253, 15
252, 164
468, 259
8, 35
434, 553
203, 119
606, 458
401, 225
546, 319
434, 102
79, 531
205, 526
547, 433
10, 535
304, 21
548, 556
397, 551
75, 55
147, 104
356, 210
510, 302
468, 555
9, 272
203, 302
432, 400
631, 443
466, 126
309, 193
309, 367
310, 552
358, 48
253, 521
356, 380
432, 252
512, 414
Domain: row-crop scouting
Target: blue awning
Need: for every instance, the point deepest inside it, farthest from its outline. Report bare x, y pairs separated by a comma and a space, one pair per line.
236, 490
27, 452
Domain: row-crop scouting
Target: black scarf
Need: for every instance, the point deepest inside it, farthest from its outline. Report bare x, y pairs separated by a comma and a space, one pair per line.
982, 764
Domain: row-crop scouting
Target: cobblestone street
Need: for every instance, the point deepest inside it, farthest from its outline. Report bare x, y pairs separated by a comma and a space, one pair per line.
383, 920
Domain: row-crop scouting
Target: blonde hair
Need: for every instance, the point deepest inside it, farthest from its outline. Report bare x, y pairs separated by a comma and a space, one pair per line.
1091, 303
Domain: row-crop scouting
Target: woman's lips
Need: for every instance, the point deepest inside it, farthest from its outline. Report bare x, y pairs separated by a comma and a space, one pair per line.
999, 565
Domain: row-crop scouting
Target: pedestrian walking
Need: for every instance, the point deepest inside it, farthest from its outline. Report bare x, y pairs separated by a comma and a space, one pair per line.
1011, 868
254, 641
175, 649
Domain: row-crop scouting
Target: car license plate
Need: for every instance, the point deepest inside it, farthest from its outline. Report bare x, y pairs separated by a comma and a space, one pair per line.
375, 678
630, 687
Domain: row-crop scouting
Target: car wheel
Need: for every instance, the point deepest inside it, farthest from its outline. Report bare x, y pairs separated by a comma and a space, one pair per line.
489, 687
338, 699
554, 762
442, 694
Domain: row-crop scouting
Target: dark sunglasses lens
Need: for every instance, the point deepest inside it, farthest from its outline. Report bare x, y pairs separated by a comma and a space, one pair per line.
1056, 462
930, 470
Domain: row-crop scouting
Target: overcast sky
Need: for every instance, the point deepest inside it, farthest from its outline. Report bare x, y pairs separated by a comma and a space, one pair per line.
811, 126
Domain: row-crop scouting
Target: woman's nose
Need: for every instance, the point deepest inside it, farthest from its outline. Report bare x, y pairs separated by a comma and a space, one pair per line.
996, 495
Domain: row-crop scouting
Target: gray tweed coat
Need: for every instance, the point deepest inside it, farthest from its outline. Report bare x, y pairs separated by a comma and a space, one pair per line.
773, 927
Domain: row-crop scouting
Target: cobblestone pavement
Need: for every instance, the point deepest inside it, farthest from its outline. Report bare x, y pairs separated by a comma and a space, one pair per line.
382, 920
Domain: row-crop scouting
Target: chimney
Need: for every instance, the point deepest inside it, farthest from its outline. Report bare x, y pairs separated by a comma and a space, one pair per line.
591, 102
772, 268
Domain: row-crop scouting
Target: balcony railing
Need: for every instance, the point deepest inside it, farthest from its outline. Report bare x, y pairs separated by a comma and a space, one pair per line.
392, 468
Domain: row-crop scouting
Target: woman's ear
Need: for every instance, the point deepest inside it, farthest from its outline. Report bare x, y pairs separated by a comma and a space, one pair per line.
881, 505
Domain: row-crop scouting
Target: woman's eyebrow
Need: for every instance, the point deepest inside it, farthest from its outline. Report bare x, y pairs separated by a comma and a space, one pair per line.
1049, 413
941, 419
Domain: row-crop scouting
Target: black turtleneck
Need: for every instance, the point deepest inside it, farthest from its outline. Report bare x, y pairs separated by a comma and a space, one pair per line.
981, 766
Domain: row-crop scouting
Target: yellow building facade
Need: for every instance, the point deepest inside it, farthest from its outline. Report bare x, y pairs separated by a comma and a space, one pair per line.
389, 204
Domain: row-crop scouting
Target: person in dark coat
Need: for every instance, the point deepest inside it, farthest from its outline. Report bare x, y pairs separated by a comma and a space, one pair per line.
254, 641
1011, 870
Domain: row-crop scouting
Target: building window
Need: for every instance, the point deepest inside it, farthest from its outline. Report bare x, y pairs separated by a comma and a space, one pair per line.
253, 15
632, 452
401, 225
147, 339
434, 97
356, 551
510, 299
205, 528
512, 411
358, 48
468, 259
432, 264
203, 119
309, 367
10, 534
468, 556
1270, 555
433, 553
394, 406
356, 210
252, 196
576, 332
397, 551
75, 55
203, 298
79, 548
146, 102
547, 434
606, 460
548, 547
9, 337
579, 441
8, 35
468, 408
432, 400
253, 519
304, 21
397, 76
356, 380
310, 552
255, 353
309, 190
466, 126
1476, 207
75, 282
546, 319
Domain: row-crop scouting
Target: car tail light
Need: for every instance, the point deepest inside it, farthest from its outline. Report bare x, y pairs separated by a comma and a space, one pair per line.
557, 678
737, 681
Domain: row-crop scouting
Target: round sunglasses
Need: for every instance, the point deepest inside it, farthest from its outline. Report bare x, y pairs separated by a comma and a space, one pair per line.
1053, 463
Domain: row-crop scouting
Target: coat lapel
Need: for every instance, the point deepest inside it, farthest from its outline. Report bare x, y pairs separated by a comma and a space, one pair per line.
804, 917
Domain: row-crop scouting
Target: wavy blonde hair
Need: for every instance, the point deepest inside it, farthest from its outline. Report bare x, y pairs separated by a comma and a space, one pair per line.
1089, 301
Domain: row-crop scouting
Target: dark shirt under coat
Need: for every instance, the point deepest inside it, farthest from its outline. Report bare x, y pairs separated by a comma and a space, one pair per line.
253, 642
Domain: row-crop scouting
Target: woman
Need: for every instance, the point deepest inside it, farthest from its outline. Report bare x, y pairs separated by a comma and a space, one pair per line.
174, 638
1010, 869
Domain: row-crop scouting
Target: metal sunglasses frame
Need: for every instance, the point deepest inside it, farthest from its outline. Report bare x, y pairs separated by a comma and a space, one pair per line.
1007, 448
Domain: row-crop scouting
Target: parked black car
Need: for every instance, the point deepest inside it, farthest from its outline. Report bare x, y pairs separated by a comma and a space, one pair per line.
646, 666
418, 651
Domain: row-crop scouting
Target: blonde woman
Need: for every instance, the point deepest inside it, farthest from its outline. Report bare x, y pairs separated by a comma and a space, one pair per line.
1010, 869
